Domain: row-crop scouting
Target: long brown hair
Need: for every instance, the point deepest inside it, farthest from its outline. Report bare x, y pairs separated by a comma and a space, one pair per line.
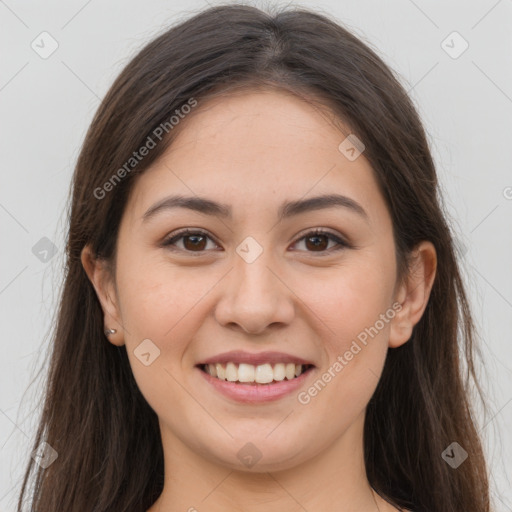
106, 436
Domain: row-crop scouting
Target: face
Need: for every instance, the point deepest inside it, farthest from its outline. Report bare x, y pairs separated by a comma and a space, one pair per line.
257, 282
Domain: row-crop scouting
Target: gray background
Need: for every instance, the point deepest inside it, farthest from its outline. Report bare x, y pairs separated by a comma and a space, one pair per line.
47, 104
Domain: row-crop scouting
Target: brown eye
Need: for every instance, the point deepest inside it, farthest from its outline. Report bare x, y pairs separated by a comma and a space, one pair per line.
193, 241
197, 241
318, 241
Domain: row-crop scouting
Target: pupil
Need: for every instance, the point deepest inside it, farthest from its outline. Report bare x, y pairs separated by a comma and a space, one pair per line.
317, 245
194, 244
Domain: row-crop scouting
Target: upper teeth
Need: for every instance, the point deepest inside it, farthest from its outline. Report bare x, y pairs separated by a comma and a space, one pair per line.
262, 374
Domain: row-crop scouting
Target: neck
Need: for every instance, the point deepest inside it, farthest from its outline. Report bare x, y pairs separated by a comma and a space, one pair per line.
333, 481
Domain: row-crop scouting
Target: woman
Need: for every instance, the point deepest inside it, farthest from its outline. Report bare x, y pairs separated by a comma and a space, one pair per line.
262, 308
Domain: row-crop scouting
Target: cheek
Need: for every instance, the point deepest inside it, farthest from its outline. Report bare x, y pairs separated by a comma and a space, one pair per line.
355, 348
159, 299
353, 316
158, 305
350, 298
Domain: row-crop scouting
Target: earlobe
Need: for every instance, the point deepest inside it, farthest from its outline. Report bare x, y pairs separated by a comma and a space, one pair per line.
100, 277
414, 293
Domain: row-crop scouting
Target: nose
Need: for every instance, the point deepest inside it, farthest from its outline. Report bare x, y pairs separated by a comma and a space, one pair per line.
254, 297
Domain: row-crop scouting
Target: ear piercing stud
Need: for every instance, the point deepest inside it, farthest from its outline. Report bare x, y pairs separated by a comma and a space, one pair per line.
108, 332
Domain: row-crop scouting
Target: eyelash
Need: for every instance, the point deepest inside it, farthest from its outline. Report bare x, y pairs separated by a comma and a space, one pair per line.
315, 232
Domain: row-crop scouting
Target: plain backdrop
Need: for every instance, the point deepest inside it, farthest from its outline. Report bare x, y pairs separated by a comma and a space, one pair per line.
461, 84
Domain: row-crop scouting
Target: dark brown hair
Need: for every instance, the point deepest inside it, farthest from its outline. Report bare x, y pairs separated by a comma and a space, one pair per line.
107, 437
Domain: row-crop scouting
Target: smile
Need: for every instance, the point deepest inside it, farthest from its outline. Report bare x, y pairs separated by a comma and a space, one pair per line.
255, 374
259, 383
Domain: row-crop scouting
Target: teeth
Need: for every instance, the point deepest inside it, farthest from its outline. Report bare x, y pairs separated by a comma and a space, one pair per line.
221, 371
264, 374
231, 372
246, 373
279, 371
261, 374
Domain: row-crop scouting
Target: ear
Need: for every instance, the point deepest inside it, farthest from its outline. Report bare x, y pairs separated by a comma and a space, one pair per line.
414, 293
101, 277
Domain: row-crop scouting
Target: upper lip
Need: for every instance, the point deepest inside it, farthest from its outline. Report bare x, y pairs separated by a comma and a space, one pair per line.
239, 356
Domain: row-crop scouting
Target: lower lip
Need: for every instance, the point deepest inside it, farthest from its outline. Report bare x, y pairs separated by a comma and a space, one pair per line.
256, 393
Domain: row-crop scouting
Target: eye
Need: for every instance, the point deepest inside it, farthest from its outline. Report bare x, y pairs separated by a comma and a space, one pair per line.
316, 240
196, 240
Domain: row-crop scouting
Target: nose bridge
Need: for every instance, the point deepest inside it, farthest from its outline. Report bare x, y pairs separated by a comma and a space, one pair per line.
255, 296
253, 278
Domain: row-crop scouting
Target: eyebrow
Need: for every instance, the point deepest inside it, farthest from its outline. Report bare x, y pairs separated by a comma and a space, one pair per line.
287, 209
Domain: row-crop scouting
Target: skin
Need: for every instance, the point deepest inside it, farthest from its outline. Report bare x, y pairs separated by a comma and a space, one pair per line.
273, 147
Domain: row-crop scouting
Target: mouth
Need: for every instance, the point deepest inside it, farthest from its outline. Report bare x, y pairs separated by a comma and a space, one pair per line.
255, 375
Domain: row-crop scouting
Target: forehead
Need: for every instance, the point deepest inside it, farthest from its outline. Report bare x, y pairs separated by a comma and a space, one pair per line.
253, 149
